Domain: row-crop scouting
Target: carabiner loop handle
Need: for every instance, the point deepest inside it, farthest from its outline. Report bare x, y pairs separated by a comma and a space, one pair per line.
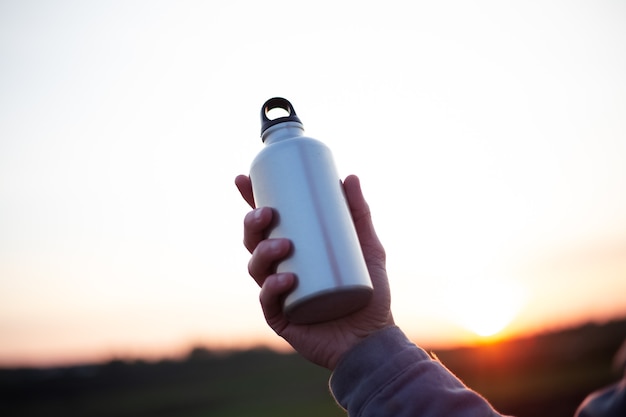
277, 103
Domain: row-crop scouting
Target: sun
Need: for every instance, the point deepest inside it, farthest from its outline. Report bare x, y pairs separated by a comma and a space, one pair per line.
485, 306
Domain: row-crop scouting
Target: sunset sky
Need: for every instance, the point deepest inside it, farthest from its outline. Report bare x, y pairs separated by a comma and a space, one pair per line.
489, 136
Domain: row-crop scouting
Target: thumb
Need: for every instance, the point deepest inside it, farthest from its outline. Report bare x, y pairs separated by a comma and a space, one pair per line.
362, 217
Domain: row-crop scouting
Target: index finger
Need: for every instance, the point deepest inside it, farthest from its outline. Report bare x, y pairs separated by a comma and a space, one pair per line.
255, 225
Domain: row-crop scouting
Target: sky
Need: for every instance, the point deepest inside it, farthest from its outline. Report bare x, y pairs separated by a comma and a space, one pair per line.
489, 137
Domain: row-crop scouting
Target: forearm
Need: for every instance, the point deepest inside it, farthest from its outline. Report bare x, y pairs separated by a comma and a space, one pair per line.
387, 375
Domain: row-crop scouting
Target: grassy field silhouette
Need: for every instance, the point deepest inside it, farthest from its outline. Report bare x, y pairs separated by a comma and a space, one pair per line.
547, 374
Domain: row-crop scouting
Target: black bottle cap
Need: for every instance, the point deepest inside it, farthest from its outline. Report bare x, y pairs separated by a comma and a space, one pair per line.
277, 103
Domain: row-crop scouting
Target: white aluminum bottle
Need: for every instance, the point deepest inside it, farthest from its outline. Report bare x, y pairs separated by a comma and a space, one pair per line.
296, 176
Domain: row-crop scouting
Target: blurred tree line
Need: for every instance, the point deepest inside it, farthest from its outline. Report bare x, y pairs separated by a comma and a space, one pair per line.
547, 374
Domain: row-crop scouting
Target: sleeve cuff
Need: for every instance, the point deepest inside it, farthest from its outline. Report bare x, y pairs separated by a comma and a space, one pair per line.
388, 375
367, 367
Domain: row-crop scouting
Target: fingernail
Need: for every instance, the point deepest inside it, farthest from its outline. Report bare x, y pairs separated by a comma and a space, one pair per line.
281, 279
257, 214
276, 246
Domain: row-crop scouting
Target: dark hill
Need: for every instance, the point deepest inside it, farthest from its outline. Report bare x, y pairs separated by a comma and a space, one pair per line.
543, 375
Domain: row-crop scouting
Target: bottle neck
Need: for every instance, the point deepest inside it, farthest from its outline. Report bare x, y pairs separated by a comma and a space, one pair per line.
282, 131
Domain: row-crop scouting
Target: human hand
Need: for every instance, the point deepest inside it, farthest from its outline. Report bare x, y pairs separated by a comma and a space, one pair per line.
321, 343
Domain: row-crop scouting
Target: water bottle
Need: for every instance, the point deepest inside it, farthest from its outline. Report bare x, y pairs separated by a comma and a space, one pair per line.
296, 176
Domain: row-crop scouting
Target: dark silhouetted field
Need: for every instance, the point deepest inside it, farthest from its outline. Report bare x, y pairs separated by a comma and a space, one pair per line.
545, 375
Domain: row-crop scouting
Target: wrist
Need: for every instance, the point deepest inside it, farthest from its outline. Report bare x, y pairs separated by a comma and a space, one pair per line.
352, 340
